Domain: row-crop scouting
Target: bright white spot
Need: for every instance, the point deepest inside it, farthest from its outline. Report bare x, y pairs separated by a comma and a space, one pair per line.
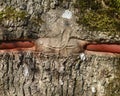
82, 56
26, 72
41, 42
93, 89
61, 69
67, 14
61, 82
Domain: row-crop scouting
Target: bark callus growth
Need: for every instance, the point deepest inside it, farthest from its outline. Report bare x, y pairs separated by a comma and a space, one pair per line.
61, 72
35, 74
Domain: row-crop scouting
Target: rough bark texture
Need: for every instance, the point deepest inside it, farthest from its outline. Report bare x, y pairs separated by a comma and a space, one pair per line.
31, 19
35, 74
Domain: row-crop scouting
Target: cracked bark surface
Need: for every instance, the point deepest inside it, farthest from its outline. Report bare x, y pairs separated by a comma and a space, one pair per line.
35, 74
28, 73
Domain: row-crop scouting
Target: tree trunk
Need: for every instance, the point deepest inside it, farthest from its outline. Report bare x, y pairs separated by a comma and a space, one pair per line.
35, 74
52, 24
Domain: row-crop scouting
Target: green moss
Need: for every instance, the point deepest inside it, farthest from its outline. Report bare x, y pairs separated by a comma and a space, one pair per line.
10, 13
115, 4
36, 20
96, 21
97, 16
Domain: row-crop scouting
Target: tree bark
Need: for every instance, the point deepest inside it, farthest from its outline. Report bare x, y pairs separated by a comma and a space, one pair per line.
30, 73
36, 74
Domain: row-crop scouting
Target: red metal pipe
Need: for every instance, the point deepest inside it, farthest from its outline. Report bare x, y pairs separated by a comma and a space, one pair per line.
113, 48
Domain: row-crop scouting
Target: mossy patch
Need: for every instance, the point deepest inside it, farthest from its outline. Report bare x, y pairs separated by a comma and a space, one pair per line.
36, 20
102, 15
10, 13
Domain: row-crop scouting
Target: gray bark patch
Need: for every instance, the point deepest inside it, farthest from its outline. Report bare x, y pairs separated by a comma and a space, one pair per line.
35, 74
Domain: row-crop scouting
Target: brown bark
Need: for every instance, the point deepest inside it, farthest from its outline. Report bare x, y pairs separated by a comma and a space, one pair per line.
35, 74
